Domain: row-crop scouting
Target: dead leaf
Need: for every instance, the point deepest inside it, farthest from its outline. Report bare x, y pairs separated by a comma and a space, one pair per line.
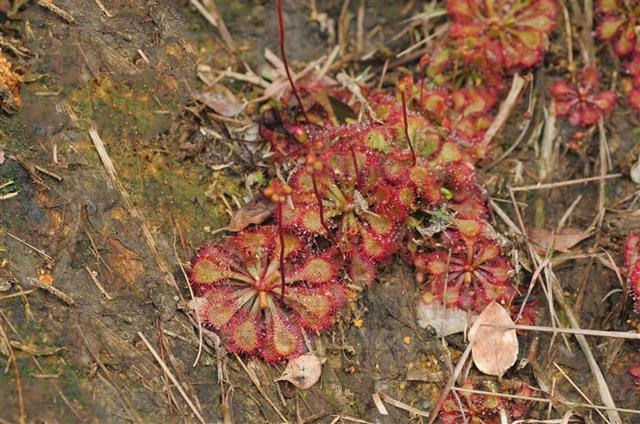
445, 321
9, 87
303, 371
254, 212
562, 242
219, 104
494, 350
634, 172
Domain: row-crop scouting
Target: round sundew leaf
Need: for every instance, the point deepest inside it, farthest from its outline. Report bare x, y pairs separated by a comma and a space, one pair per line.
609, 26
310, 220
314, 306
207, 271
362, 270
219, 307
624, 44
376, 141
282, 338
532, 39
243, 333
437, 263
379, 223
468, 228
486, 253
315, 270
450, 152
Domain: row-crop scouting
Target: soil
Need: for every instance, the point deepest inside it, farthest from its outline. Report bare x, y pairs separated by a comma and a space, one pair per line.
132, 77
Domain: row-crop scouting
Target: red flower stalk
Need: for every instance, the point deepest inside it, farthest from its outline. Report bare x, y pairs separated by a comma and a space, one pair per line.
583, 103
243, 300
512, 32
402, 86
631, 254
278, 192
284, 58
618, 25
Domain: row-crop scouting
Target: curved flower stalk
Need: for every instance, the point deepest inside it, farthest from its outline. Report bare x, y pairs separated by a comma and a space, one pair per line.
618, 25
239, 281
583, 103
510, 33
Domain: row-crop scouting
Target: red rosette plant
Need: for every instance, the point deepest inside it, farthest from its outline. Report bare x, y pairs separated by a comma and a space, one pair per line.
362, 210
631, 83
583, 103
468, 272
631, 253
239, 282
481, 408
618, 25
512, 33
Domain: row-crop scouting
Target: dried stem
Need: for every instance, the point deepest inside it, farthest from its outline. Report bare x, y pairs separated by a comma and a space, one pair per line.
406, 127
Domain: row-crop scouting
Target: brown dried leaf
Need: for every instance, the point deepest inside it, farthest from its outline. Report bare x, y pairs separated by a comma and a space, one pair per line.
303, 371
254, 212
563, 241
219, 104
9, 87
494, 350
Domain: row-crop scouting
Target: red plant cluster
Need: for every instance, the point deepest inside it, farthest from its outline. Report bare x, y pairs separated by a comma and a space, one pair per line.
582, 103
371, 173
480, 408
618, 25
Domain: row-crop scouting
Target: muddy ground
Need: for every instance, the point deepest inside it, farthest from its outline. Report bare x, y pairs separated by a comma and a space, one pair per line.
82, 359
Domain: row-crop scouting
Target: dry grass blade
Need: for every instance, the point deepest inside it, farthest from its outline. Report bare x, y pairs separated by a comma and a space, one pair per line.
541, 186
54, 291
585, 397
48, 4
97, 283
576, 331
12, 360
400, 405
517, 84
171, 377
35, 249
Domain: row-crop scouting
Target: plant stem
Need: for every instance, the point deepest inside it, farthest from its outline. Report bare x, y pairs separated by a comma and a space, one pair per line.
284, 58
406, 127
281, 258
355, 161
320, 205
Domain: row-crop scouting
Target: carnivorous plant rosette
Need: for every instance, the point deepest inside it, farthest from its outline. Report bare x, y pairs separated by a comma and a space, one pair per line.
618, 25
239, 282
513, 32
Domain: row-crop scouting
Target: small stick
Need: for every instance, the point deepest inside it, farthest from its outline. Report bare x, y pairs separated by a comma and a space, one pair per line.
54, 291
565, 183
12, 295
505, 109
97, 283
58, 11
171, 377
104, 9
35, 249
585, 397
406, 127
582, 331
47, 172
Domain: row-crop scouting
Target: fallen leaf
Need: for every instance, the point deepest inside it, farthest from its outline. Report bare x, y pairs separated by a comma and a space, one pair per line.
494, 350
445, 321
303, 371
219, 104
562, 241
634, 172
254, 212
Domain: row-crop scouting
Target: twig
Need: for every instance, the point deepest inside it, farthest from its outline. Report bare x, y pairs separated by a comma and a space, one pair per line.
540, 186
580, 331
16, 370
35, 249
48, 4
585, 397
171, 377
12, 295
402, 405
54, 291
97, 283
104, 9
